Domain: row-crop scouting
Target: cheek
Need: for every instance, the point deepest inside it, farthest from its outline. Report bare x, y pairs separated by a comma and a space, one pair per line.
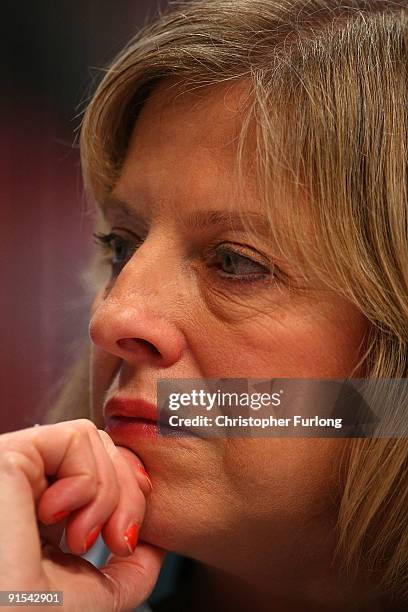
286, 481
103, 367
327, 344
294, 339
100, 379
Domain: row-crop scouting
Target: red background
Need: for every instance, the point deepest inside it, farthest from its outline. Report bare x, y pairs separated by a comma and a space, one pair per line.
52, 52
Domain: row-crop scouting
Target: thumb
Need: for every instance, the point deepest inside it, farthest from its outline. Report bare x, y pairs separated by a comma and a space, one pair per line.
130, 580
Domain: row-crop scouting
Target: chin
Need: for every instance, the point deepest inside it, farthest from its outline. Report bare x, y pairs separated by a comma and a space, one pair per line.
164, 530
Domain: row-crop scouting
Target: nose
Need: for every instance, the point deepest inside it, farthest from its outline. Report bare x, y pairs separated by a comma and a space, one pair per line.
133, 320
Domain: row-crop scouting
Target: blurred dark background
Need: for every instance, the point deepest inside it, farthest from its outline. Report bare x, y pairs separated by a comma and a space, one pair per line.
53, 52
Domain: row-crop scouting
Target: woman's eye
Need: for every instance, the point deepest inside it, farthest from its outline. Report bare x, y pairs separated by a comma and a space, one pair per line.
236, 266
119, 248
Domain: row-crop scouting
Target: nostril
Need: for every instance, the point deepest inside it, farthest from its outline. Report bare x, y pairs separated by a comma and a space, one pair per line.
131, 344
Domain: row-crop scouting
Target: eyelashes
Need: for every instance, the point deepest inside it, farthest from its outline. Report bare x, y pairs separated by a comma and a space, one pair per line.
116, 249
232, 264
229, 261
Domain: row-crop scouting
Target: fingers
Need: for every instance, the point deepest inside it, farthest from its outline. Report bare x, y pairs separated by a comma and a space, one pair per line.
74, 482
121, 584
26, 457
71, 473
130, 581
94, 486
120, 532
84, 525
117, 510
141, 475
51, 534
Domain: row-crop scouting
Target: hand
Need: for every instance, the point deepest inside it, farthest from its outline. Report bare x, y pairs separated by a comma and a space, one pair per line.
92, 486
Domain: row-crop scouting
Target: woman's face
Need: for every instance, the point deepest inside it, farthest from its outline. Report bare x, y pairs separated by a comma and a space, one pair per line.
196, 300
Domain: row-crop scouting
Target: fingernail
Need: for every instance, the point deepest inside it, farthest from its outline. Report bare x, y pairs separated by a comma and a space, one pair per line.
130, 536
58, 516
141, 468
92, 536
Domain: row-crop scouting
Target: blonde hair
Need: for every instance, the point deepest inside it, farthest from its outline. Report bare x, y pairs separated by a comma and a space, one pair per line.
327, 104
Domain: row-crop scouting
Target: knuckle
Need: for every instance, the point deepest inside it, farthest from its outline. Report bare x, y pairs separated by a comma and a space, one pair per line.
79, 428
18, 463
90, 481
14, 461
15, 440
10, 460
107, 442
86, 425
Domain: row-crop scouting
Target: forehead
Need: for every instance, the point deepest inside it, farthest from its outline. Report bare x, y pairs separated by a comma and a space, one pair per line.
207, 118
184, 145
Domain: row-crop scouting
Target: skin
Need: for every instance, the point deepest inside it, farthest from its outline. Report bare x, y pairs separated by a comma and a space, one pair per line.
96, 486
261, 512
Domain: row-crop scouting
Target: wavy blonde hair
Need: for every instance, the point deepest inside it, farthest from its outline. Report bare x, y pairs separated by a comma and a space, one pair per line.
328, 106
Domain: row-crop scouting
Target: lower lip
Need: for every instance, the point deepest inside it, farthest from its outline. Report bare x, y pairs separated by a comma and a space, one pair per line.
122, 428
125, 429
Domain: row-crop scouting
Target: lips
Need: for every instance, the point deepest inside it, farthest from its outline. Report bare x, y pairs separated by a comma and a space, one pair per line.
130, 408
127, 419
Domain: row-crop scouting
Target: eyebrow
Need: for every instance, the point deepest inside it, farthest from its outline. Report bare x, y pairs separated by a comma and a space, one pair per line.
200, 220
196, 220
114, 204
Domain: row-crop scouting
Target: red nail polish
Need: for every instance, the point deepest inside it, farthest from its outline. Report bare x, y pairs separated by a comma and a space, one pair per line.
92, 536
130, 536
59, 516
141, 468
